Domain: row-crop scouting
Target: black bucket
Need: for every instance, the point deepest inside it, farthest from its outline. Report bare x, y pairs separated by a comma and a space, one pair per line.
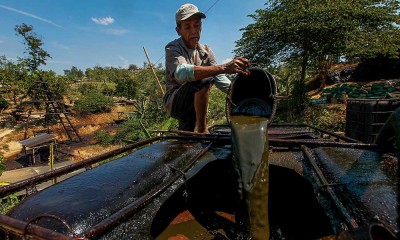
252, 94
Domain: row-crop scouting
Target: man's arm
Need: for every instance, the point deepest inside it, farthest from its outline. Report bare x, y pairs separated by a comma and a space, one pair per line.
237, 65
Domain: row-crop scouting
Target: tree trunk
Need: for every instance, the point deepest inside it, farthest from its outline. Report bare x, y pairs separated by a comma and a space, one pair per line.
324, 70
304, 67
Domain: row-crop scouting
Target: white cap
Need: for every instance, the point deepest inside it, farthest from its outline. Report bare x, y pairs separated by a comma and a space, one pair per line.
186, 11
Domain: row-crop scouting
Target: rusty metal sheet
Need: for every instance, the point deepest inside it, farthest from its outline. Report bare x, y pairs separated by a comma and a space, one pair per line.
38, 140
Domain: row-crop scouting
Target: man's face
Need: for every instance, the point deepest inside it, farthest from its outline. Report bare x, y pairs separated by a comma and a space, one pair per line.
190, 30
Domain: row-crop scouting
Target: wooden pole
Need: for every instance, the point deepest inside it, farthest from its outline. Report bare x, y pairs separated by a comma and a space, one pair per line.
154, 72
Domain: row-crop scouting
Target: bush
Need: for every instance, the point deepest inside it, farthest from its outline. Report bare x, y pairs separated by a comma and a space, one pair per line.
216, 107
3, 103
8, 202
93, 102
86, 88
104, 138
130, 130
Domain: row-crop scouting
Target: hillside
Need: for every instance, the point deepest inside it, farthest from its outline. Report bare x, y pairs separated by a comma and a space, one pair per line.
86, 126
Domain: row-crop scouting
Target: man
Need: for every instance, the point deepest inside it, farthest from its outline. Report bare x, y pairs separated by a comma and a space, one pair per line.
191, 69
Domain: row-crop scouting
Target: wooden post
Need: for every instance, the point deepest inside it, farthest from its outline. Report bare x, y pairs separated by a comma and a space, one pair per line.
154, 72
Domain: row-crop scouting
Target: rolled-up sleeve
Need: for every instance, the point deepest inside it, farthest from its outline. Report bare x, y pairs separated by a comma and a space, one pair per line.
173, 59
222, 82
184, 73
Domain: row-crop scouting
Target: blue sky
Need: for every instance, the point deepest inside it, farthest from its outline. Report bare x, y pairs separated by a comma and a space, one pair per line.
85, 33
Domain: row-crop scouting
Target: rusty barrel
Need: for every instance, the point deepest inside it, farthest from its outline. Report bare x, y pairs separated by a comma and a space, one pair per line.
252, 94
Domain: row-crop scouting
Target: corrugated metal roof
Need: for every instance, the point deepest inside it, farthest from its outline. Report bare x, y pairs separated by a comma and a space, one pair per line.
38, 140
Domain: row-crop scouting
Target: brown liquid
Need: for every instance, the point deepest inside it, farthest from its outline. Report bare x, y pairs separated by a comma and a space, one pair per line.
250, 144
250, 150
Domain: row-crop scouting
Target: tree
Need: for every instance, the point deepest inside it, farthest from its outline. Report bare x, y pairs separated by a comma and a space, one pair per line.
73, 73
37, 56
310, 32
127, 87
13, 76
133, 67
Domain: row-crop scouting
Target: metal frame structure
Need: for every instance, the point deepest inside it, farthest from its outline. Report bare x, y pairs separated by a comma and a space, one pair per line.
30, 229
23, 228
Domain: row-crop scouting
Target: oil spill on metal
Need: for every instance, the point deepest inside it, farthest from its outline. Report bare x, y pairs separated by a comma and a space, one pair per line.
86, 199
366, 183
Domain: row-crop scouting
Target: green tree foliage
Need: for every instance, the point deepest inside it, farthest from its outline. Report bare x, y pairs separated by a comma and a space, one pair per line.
93, 102
127, 86
13, 77
129, 130
27, 75
2, 165
307, 36
216, 107
104, 138
74, 73
37, 56
308, 32
3, 103
106, 74
133, 67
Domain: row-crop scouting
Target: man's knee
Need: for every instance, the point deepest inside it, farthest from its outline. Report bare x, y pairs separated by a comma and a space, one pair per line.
205, 90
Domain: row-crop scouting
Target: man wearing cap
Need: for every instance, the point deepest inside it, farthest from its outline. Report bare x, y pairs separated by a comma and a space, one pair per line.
191, 69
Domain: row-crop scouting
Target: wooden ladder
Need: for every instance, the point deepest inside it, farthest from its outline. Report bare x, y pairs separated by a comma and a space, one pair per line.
57, 108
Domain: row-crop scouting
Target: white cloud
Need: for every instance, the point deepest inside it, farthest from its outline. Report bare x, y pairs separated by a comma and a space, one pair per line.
226, 60
118, 32
1, 41
59, 45
29, 15
103, 21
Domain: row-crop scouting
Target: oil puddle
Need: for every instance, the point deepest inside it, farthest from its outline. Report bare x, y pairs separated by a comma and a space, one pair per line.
185, 227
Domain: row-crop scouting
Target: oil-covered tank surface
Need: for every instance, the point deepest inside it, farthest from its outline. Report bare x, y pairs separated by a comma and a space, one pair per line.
364, 181
87, 198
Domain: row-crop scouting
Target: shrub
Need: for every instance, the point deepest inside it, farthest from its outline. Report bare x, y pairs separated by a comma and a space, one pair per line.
86, 88
216, 107
130, 130
93, 102
104, 138
8, 202
3, 103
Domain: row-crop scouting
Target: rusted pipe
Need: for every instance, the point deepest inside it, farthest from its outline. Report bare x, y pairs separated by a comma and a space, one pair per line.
320, 143
370, 232
20, 228
342, 210
344, 138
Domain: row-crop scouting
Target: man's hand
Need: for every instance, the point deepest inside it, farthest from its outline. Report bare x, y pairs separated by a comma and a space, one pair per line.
238, 65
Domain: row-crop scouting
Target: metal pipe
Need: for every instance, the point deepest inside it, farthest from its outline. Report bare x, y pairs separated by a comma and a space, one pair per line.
320, 143
347, 139
22, 228
342, 210
370, 232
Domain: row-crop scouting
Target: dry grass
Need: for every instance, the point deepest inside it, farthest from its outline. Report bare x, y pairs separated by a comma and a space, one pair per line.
90, 151
87, 127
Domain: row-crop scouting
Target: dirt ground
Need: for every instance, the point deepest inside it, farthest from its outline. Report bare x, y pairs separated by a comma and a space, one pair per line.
87, 127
